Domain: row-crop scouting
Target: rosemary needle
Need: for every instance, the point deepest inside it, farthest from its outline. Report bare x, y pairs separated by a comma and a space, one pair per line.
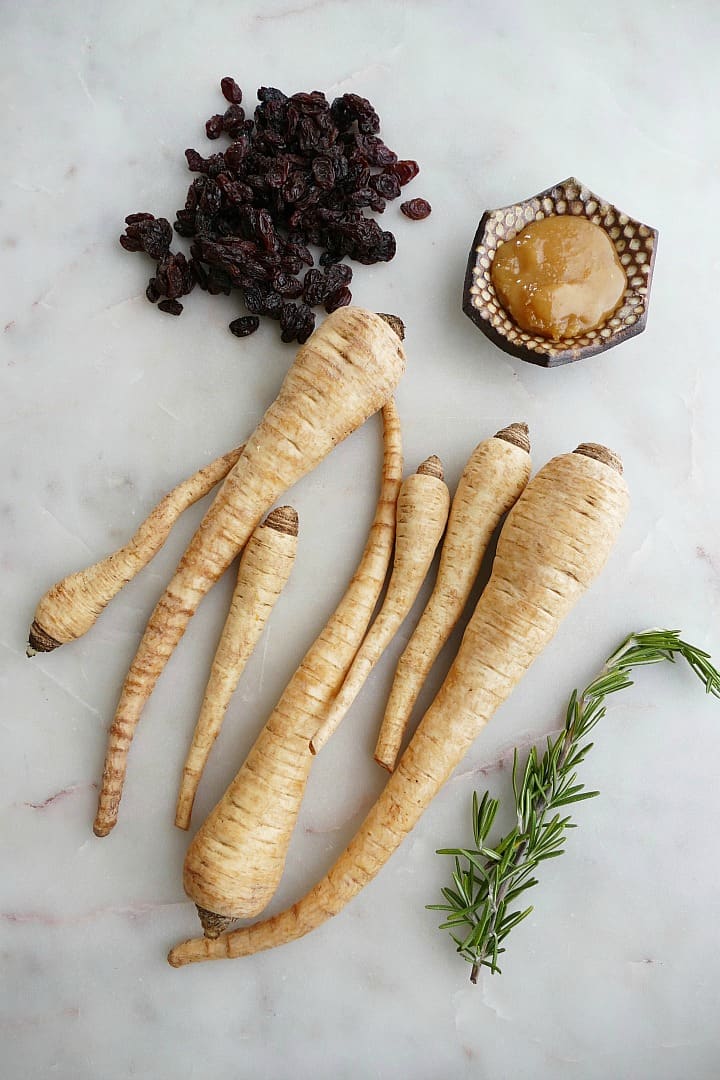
488, 879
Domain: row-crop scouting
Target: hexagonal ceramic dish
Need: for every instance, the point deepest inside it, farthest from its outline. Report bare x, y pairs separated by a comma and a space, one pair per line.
634, 242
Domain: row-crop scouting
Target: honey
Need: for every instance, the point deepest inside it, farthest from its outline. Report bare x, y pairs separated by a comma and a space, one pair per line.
559, 277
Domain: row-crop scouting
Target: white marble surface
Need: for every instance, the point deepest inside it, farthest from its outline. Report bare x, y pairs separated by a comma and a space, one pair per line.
105, 404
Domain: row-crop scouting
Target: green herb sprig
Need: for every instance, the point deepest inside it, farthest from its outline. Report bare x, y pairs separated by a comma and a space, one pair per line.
488, 879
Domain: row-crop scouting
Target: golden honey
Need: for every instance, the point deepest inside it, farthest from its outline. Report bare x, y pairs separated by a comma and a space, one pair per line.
559, 277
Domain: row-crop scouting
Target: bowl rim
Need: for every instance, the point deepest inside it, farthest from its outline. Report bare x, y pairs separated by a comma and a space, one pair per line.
572, 353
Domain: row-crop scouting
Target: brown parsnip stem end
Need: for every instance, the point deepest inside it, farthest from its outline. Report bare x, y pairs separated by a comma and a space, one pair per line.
40, 641
600, 453
395, 322
213, 924
517, 434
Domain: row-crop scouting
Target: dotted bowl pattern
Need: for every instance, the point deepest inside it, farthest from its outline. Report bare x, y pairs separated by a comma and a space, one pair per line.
634, 242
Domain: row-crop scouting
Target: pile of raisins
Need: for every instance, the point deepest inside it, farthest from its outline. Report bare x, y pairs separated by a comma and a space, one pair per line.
301, 172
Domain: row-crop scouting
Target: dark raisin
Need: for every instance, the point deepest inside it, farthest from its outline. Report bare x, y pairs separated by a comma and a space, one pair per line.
245, 326
170, 307
405, 171
338, 275
416, 209
323, 171
185, 223
254, 299
360, 109
132, 219
231, 91
278, 173
237, 152
289, 287
272, 305
235, 191
214, 126
148, 234
269, 93
233, 120
315, 288
153, 291
386, 184
195, 161
386, 247
339, 299
305, 323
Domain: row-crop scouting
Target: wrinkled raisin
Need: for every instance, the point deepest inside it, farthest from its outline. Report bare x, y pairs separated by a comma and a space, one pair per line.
416, 209
170, 307
245, 326
315, 288
153, 292
405, 171
231, 91
386, 184
233, 120
340, 299
133, 219
214, 126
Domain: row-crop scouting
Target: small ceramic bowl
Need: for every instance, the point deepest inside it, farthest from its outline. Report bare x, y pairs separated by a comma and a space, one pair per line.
634, 242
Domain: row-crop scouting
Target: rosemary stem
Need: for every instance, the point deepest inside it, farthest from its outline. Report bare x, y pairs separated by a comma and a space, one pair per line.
494, 875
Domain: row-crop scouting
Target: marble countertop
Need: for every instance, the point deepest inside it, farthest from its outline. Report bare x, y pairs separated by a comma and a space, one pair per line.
106, 404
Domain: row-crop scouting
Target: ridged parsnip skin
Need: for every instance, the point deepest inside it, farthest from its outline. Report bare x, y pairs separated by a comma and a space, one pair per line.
556, 539
493, 479
263, 573
422, 511
344, 373
235, 861
70, 608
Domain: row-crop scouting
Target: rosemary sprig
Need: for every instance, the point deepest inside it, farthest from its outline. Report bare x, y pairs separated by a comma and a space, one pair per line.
488, 879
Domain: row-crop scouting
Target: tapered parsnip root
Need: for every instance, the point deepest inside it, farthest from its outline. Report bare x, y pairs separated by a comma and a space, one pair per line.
494, 477
422, 510
264, 570
345, 372
555, 540
70, 608
234, 863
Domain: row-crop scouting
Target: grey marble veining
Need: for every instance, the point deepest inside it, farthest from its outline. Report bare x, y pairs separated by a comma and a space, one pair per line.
105, 404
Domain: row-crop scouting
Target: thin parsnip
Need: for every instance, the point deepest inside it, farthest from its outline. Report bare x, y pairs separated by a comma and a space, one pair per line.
235, 861
71, 607
491, 482
344, 373
554, 542
263, 573
422, 511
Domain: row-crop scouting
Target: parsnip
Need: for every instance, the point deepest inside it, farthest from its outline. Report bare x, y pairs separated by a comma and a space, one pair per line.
422, 510
554, 542
494, 477
264, 570
71, 607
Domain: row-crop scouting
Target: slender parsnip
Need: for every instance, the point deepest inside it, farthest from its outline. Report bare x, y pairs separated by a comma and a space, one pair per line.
555, 540
71, 606
493, 479
235, 861
422, 510
345, 372
263, 573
